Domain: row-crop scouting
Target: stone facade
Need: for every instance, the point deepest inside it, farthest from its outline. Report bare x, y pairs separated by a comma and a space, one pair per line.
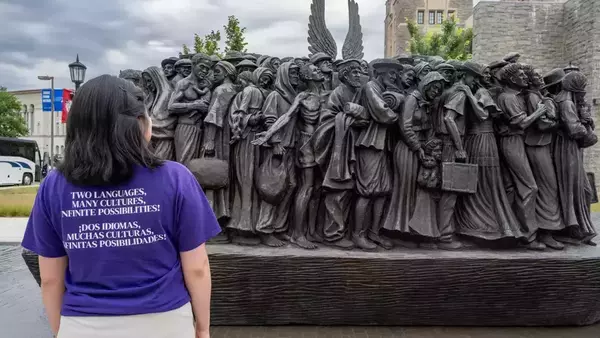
397, 11
548, 34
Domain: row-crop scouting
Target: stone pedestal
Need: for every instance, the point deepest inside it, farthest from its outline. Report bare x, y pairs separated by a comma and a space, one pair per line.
264, 286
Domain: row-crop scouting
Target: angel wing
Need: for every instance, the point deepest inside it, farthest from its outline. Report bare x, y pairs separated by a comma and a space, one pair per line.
319, 36
353, 45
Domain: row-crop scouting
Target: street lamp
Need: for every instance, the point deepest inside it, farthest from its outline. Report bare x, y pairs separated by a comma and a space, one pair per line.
77, 70
51, 79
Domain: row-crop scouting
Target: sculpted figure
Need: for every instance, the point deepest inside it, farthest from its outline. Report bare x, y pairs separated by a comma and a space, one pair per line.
217, 132
246, 65
333, 144
571, 68
407, 79
287, 59
272, 63
233, 57
190, 102
135, 76
274, 218
487, 214
421, 69
573, 136
324, 63
448, 72
521, 186
298, 125
373, 172
415, 130
168, 67
157, 90
248, 120
301, 61
538, 145
183, 68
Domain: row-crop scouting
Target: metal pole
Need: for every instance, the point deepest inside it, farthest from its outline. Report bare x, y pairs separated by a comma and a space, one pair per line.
77, 84
52, 123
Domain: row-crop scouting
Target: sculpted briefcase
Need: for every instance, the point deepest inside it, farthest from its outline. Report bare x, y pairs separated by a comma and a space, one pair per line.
460, 177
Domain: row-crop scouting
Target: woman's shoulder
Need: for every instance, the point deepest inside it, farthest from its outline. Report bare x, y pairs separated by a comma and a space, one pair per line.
173, 169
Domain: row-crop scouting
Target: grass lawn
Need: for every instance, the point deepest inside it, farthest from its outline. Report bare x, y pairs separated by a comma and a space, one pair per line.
17, 202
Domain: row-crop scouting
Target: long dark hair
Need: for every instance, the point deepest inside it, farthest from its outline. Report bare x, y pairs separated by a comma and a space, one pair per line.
104, 137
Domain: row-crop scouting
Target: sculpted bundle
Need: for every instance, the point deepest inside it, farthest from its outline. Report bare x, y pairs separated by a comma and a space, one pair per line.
408, 151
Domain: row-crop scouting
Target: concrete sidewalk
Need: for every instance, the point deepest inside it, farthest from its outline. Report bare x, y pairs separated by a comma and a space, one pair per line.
12, 229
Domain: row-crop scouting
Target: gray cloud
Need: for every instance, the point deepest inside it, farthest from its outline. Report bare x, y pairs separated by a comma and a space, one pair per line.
39, 37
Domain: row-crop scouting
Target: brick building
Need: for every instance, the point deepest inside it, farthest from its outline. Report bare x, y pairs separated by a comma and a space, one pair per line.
548, 34
427, 13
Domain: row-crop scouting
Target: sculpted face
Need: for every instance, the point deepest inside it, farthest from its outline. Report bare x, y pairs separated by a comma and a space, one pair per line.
536, 80
294, 75
391, 75
275, 62
265, 81
315, 73
487, 77
469, 79
219, 74
364, 67
353, 77
448, 74
149, 86
433, 90
424, 72
201, 69
186, 70
520, 79
325, 66
436, 153
408, 78
169, 70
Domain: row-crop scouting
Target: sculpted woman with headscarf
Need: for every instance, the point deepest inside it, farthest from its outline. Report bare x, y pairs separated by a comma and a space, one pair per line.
217, 135
415, 129
273, 219
158, 91
247, 119
573, 185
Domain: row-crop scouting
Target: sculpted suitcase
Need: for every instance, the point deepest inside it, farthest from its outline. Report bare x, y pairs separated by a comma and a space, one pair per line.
460, 177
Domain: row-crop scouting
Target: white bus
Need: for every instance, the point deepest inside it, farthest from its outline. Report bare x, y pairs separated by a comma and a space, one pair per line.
20, 161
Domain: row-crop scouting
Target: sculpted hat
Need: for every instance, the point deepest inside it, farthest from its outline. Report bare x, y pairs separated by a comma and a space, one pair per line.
183, 62
512, 57
553, 77
404, 59
341, 64
319, 57
571, 68
444, 66
247, 64
386, 63
250, 57
169, 61
233, 56
473, 68
497, 64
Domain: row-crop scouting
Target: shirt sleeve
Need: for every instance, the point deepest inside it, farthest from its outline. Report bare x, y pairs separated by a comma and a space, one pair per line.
195, 221
41, 236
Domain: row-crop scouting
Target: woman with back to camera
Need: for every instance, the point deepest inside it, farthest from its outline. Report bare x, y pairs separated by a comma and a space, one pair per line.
120, 233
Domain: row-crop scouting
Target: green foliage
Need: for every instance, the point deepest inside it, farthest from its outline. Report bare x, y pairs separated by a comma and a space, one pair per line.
235, 35
12, 123
209, 44
450, 43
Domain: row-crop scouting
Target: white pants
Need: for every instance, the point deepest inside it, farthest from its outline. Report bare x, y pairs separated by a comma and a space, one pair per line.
176, 323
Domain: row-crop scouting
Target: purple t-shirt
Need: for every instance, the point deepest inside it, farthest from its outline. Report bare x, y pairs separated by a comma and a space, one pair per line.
122, 242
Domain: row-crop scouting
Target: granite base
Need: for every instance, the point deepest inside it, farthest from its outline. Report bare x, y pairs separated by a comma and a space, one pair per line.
264, 286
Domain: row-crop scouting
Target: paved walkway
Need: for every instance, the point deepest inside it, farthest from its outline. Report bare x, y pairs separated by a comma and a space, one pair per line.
12, 229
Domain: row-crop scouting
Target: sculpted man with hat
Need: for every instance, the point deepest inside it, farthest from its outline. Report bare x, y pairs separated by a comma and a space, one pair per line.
324, 63
522, 188
449, 124
168, 67
183, 68
373, 167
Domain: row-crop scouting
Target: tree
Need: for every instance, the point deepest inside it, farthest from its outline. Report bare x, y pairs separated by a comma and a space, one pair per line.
236, 40
451, 42
12, 123
209, 44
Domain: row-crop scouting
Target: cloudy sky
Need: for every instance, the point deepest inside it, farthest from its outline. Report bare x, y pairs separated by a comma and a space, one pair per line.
41, 37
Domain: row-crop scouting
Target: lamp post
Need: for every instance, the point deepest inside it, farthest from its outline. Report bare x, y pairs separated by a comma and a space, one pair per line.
77, 70
51, 79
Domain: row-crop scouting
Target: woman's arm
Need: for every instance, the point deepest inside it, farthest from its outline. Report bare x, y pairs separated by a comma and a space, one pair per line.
52, 273
196, 273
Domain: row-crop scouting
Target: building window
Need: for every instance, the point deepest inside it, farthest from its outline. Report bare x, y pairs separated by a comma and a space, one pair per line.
451, 15
439, 16
421, 17
432, 17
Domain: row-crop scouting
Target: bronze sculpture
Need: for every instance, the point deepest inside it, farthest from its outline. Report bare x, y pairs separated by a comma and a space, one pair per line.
132, 75
158, 91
